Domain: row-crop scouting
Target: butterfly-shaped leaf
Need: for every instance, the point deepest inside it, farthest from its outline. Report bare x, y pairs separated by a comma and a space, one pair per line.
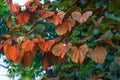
81, 17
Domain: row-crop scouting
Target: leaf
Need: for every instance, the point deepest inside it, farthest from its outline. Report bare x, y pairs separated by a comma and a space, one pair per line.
27, 59
9, 22
61, 29
61, 14
71, 23
46, 61
65, 27
109, 42
59, 50
76, 15
106, 35
117, 60
46, 14
45, 46
28, 45
20, 56
74, 54
11, 52
23, 17
81, 17
57, 18
98, 21
13, 7
101, 54
98, 54
78, 55
83, 51
86, 15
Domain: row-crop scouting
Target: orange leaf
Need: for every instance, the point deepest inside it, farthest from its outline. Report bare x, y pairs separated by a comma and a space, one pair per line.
27, 59
45, 46
9, 22
11, 52
28, 45
98, 54
59, 50
23, 17
35, 40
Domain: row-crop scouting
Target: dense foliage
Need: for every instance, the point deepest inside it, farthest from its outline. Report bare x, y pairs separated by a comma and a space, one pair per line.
61, 40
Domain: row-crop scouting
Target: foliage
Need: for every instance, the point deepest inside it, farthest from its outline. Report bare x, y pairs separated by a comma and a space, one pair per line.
68, 39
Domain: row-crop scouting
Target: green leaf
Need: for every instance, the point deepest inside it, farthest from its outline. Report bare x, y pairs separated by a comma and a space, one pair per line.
90, 31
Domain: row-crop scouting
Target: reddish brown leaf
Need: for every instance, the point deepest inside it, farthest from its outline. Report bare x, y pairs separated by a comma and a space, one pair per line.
45, 46
62, 29
57, 18
81, 18
58, 59
65, 27
7, 43
59, 50
71, 22
46, 61
27, 59
9, 22
13, 7
28, 45
109, 42
32, 8
76, 15
98, 54
20, 55
46, 14
78, 55
23, 17
74, 54
34, 51
83, 51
